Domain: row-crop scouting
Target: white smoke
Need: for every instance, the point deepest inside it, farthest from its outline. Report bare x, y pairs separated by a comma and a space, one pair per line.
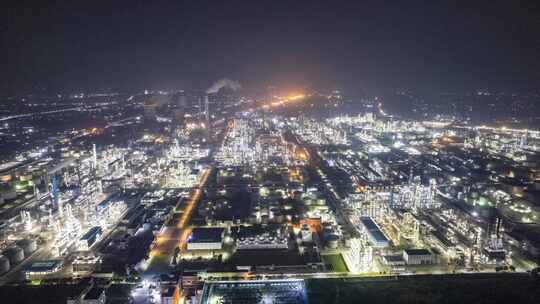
222, 83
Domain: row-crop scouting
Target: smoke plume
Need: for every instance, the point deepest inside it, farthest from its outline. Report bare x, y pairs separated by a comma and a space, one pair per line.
222, 83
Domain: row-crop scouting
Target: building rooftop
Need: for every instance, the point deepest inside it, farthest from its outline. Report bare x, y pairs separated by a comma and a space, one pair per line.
43, 266
91, 233
393, 258
373, 230
368, 223
206, 235
417, 251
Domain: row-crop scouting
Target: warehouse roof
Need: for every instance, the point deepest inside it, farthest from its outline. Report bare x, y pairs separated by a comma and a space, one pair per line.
417, 251
43, 266
206, 235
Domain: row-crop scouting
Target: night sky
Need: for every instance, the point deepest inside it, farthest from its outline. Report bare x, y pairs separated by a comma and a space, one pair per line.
353, 45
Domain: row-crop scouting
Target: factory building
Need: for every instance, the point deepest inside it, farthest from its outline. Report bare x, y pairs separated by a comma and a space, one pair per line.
373, 233
393, 260
84, 264
249, 238
420, 257
39, 269
206, 239
89, 238
358, 257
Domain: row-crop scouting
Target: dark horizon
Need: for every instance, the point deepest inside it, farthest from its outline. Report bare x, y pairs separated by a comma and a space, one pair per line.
359, 47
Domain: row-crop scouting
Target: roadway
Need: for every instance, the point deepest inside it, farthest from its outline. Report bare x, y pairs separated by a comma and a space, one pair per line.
174, 233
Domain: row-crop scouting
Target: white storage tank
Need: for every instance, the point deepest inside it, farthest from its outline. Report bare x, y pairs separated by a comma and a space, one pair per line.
15, 254
28, 246
4, 264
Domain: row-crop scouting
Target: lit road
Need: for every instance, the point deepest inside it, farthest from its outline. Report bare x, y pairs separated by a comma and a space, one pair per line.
175, 233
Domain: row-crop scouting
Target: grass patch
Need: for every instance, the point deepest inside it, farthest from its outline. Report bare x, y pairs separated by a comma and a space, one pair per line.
334, 262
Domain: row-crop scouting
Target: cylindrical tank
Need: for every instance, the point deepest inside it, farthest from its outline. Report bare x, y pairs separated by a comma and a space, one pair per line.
4, 264
15, 254
28, 246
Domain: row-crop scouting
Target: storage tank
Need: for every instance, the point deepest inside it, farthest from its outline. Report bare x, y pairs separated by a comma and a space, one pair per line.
4, 264
28, 246
15, 254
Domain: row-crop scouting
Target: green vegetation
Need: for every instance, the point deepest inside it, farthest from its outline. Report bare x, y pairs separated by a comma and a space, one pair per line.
334, 262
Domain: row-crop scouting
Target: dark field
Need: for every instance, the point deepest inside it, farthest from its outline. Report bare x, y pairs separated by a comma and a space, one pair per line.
502, 288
